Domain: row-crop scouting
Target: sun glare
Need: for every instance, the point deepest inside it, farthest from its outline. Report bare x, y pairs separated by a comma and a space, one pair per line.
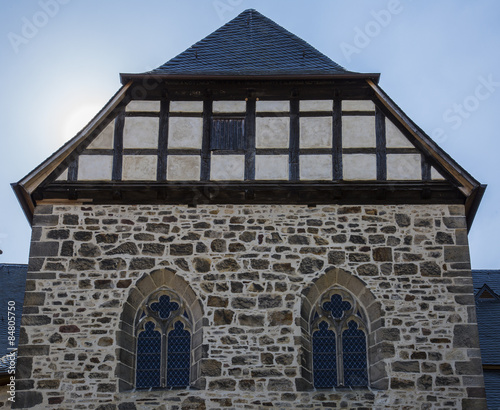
77, 118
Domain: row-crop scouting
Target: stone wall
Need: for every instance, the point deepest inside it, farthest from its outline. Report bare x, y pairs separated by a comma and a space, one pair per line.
253, 270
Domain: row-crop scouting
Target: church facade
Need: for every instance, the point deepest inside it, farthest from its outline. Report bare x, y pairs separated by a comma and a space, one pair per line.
250, 225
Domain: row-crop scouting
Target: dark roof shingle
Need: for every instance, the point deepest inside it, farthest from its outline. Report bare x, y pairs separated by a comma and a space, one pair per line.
250, 45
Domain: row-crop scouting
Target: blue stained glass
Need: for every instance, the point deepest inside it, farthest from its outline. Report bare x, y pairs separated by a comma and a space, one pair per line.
178, 356
354, 356
148, 357
324, 357
336, 306
164, 306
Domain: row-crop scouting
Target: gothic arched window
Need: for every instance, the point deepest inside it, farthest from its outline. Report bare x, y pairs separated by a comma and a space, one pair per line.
339, 332
163, 342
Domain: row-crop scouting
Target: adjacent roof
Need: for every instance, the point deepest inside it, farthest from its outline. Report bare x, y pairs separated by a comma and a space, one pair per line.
251, 45
13, 278
488, 312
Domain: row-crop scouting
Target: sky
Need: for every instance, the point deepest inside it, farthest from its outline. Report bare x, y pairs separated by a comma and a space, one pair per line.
439, 61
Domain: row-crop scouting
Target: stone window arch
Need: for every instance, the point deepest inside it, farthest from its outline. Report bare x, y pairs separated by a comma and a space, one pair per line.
358, 315
161, 311
163, 332
338, 330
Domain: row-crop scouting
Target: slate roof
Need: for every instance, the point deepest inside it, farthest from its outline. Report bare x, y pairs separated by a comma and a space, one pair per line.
491, 382
251, 45
13, 278
488, 312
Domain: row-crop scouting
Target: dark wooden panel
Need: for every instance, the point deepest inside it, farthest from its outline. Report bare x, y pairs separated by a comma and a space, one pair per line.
227, 134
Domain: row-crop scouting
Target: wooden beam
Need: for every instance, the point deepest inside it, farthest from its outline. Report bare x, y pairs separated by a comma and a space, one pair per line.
250, 140
163, 141
380, 144
337, 170
294, 147
118, 147
205, 144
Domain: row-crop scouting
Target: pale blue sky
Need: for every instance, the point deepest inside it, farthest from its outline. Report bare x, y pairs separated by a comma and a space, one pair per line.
60, 61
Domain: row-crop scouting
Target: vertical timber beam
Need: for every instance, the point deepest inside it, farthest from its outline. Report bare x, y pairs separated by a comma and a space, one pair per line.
337, 171
118, 146
205, 144
381, 148
294, 170
250, 141
163, 141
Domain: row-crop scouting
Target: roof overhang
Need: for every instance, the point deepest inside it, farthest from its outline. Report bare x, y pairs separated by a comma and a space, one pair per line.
125, 77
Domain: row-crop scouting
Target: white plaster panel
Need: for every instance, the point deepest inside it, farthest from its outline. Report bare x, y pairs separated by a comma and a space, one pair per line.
183, 167
272, 106
271, 167
404, 167
141, 105
141, 132
315, 167
358, 167
95, 167
316, 132
272, 132
186, 106
395, 138
63, 176
358, 132
316, 105
139, 167
185, 132
435, 174
229, 106
358, 105
105, 139
227, 167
